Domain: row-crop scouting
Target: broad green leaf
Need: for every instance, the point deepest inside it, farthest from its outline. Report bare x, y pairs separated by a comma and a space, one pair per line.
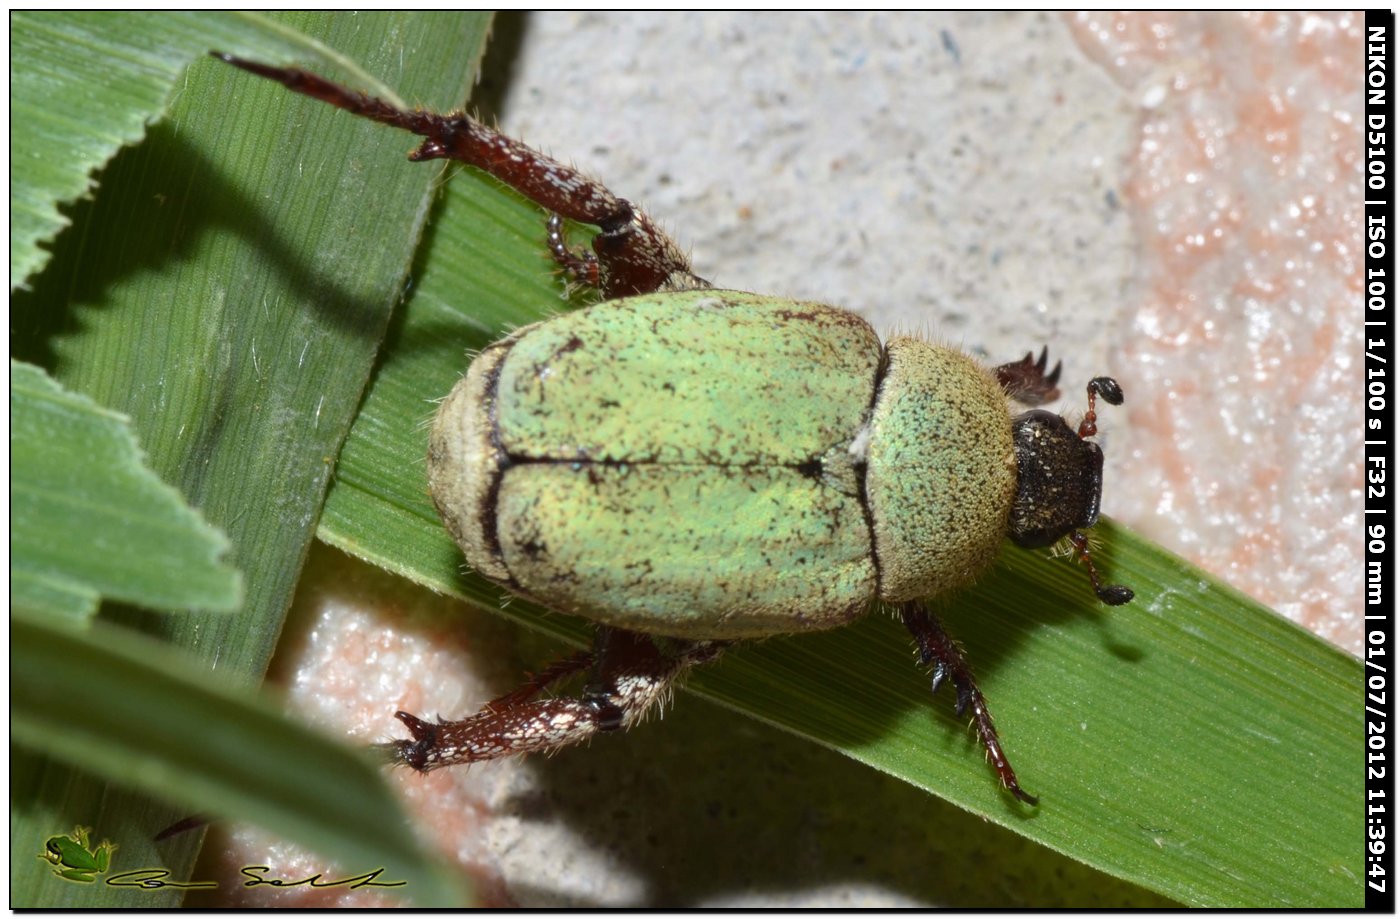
89, 520
1192, 742
90, 698
227, 287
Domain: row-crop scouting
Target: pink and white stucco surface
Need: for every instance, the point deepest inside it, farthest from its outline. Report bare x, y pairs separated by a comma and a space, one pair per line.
1169, 198
1242, 346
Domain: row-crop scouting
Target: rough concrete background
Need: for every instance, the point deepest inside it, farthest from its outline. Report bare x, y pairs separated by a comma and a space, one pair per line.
1244, 335
1162, 198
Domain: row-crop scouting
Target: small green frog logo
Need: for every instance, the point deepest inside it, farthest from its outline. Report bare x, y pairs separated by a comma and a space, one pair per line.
75, 859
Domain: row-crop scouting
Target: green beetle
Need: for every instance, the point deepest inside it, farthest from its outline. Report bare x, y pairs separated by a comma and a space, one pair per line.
688, 467
616, 463
74, 858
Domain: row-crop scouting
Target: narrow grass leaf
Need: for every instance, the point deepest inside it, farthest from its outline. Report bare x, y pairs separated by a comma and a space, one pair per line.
88, 519
213, 749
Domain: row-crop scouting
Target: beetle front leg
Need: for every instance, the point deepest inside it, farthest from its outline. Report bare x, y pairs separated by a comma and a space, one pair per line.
936, 646
1028, 381
631, 674
633, 255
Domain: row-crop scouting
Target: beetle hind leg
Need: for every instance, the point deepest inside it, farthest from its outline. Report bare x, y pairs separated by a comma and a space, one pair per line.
937, 647
631, 673
631, 253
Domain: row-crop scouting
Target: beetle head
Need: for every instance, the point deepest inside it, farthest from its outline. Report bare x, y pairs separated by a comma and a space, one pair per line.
1059, 478
1059, 481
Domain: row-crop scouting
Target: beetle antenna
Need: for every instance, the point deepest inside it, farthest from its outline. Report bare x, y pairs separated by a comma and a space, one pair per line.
1112, 393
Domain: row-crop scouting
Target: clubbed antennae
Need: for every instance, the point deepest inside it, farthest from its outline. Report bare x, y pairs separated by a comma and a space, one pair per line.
1112, 393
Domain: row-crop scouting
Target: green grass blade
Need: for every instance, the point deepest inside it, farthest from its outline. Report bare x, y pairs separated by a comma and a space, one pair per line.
88, 519
1192, 742
211, 748
199, 291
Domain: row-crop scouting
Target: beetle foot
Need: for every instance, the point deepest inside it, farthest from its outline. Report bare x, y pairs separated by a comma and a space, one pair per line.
936, 646
631, 255
497, 732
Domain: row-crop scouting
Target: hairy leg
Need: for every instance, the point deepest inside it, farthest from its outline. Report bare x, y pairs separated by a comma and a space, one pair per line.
633, 255
631, 674
937, 647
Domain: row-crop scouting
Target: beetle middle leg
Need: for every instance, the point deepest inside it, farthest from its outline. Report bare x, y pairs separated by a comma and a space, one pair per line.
631, 673
937, 647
